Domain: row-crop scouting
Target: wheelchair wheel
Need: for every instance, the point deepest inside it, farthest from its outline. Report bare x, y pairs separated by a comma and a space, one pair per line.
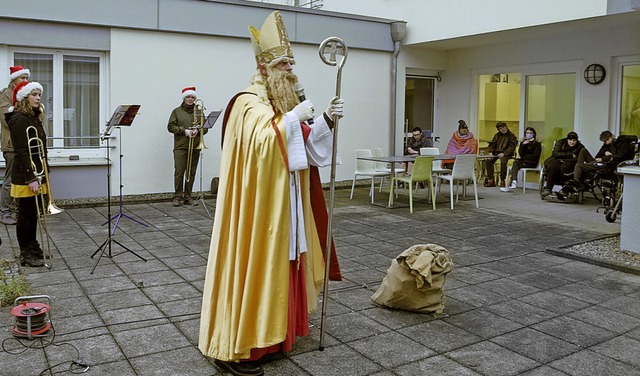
610, 216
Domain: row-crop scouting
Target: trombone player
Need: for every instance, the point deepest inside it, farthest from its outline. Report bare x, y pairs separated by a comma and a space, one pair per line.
186, 123
28, 177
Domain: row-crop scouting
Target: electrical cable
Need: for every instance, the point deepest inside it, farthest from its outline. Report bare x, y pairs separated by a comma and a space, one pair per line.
77, 366
182, 315
41, 341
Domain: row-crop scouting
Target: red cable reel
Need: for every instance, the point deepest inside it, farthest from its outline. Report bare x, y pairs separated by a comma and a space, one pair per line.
32, 318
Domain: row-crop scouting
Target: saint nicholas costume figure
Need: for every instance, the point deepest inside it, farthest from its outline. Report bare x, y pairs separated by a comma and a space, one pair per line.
266, 263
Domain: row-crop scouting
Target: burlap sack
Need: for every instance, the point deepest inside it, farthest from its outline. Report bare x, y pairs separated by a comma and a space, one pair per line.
415, 279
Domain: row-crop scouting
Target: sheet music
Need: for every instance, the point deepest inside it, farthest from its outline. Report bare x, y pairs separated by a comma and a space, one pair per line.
122, 116
211, 119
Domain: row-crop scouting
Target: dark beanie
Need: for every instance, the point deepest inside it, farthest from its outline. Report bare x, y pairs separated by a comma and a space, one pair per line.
462, 125
572, 136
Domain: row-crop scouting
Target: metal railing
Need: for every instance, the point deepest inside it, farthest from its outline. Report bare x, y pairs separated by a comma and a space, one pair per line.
99, 145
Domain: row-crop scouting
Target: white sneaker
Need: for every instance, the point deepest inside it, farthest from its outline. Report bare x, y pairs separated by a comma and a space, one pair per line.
506, 189
514, 184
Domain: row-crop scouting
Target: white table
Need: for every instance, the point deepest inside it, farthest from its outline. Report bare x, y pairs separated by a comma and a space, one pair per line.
630, 228
393, 159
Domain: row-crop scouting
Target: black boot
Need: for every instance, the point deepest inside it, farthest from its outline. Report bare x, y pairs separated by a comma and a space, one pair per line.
28, 258
241, 368
36, 250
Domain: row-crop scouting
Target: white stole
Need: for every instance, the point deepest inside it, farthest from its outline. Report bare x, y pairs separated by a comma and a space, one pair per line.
317, 151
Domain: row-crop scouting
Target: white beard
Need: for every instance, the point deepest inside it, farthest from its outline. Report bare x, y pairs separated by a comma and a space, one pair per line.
280, 85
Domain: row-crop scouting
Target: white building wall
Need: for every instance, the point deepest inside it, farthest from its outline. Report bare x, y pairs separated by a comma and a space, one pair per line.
560, 53
164, 63
150, 67
443, 19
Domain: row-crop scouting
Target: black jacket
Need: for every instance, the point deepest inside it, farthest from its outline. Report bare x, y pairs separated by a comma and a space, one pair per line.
623, 149
563, 151
23, 172
530, 152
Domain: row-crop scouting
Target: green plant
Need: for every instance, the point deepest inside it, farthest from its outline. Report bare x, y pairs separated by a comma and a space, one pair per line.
12, 284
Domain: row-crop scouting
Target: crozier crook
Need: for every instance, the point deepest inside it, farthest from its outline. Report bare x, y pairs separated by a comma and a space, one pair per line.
329, 51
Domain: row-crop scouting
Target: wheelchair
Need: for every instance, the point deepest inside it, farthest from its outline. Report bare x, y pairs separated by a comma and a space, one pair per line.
612, 194
612, 198
604, 185
612, 204
561, 181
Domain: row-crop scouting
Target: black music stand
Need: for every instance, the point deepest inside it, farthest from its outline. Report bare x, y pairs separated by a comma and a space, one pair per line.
208, 124
123, 115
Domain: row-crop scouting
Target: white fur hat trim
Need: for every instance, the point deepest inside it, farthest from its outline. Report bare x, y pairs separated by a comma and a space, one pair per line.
27, 89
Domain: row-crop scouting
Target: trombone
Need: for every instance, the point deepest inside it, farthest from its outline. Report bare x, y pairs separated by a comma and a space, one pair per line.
52, 209
38, 159
198, 123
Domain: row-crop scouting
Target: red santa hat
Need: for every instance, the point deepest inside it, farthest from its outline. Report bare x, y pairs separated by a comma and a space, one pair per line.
191, 90
17, 71
23, 89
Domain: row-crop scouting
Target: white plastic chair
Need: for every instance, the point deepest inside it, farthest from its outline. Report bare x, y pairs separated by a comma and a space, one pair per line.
366, 168
463, 170
437, 165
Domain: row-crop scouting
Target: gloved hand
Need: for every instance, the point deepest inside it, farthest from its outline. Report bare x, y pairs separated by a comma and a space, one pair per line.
303, 111
335, 107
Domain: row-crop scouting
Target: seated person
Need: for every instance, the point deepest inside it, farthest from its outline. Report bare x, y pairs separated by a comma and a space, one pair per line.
462, 142
502, 146
562, 161
416, 142
528, 156
608, 157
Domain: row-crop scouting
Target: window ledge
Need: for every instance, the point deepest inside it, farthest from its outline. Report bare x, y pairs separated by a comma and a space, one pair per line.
86, 161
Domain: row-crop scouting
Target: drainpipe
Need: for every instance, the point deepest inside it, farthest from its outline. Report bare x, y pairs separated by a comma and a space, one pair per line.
398, 30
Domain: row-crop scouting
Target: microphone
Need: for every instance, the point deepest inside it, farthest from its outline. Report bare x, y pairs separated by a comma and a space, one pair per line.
300, 93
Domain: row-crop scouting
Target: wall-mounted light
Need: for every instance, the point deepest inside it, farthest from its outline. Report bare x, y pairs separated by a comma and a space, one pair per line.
595, 74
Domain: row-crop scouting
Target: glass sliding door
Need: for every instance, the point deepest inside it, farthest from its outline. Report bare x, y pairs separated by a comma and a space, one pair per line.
630, 100
498, 101
550, 107
419, 104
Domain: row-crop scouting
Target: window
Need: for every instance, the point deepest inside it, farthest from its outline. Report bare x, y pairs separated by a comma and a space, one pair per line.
550, 107
549, 104
498, 101
72, 83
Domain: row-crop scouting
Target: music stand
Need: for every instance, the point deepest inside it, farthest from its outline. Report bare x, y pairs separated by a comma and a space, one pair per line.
123, 115
208, 124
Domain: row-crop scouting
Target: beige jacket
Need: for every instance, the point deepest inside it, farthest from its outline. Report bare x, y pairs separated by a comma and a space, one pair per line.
6, 95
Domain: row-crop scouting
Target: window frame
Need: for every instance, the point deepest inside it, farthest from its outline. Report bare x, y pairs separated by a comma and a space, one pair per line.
616, 86
59, 150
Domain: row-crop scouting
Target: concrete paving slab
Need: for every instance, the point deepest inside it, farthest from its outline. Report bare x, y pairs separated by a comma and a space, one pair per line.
435, 366
405, 350
490, 359
536, 345
587, 362
510, 307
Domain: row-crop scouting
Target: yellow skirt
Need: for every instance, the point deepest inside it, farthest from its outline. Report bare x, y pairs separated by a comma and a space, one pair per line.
21, 191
